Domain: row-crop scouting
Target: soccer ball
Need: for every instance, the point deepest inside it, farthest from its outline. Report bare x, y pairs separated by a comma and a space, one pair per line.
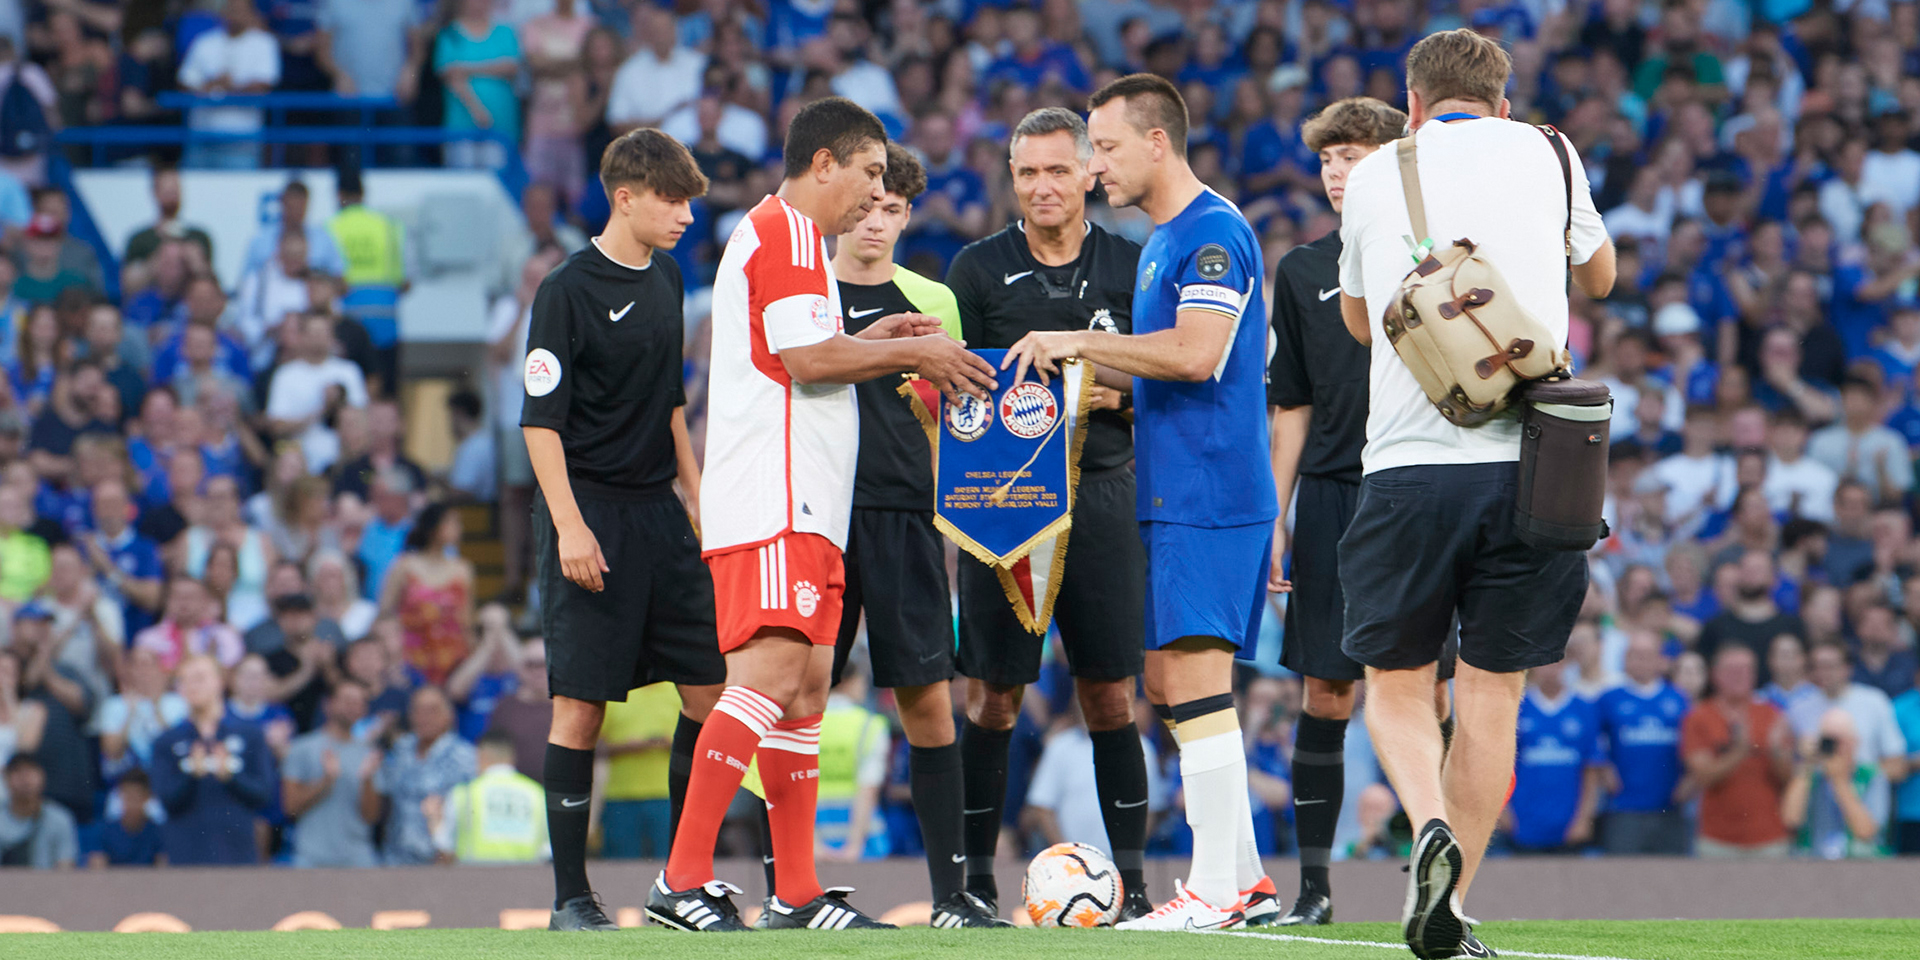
1072, 885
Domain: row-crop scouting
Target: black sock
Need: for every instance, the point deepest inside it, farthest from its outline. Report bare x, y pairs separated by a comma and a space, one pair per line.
680, 767
766, 845
983, 755
1120, 776
569, 781
935, 777
1319, 782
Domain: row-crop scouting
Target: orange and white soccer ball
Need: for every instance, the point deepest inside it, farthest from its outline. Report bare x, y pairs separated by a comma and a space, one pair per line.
1072, 885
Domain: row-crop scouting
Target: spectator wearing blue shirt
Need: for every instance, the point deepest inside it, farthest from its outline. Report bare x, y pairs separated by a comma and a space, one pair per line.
1033, 59
205, 304
1558, 768
157, 310
1865, 281
478, 58
1213, 62
1898, 355
1790, 691
1640, 732
953, 211
1273, 158
291, 218
385, 536
489, 674
126, 564
1905, 829
1881, 662
133, 839
213, 774
421, 770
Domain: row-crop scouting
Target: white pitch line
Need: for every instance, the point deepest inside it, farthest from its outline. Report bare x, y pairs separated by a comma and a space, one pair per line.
1398, 946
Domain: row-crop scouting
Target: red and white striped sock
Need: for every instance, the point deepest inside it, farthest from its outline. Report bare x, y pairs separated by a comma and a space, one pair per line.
720, 757
790, 771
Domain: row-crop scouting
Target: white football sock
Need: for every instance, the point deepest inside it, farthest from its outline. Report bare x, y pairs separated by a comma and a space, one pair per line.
1246, 859
1213, 771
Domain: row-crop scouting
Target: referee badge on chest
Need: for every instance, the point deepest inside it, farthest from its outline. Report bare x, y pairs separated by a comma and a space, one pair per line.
1103, 321
968, 418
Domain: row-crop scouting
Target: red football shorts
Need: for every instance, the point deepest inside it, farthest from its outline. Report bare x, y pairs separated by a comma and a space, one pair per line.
796, 581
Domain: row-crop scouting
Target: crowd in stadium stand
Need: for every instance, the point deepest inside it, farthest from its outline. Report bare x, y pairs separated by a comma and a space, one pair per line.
235, 626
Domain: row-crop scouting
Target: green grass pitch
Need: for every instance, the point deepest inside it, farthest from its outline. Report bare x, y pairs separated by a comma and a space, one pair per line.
1634, 940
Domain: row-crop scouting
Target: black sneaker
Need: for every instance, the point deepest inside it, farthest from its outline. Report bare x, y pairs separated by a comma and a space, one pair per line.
828, 911
581, 913
1311, 910
987, 892
1432, 928
1470, 946
707, 908
964, 910
1133, 906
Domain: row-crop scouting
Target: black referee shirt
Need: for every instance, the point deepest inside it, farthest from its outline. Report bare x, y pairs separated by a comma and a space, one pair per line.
1004, 294
604, 371
1317, 362
895, 471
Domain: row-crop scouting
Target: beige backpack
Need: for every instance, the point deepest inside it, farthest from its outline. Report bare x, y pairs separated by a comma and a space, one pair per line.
1457, 325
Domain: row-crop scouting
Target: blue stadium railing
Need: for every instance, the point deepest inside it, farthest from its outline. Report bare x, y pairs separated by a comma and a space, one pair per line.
122, 139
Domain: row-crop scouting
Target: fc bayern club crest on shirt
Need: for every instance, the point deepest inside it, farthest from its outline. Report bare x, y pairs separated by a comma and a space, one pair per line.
1005, 471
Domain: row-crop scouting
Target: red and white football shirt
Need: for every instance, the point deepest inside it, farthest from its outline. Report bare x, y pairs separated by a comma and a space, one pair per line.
780, 454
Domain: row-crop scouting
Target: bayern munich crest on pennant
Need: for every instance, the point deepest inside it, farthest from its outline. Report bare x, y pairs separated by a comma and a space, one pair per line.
1028, 410
968, 418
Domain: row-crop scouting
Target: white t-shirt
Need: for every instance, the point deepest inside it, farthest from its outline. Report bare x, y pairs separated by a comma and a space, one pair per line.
1061, 780
869, 85
509, 387
299, 390
1649, 226
741, 130
250, 58
646, 89
1696, 485
1891, 178
1626, 404
1498, 183
1813, 482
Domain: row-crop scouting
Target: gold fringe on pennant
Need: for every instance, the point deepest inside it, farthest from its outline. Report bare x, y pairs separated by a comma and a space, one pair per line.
1077, 376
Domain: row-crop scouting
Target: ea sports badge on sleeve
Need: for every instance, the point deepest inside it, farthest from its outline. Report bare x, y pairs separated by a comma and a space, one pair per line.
1005, 471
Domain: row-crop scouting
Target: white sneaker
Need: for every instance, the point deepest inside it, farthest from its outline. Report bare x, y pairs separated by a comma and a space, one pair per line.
1186, 912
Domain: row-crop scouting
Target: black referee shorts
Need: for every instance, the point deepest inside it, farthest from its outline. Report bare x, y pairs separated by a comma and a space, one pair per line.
1316, 610
897, 573
1431, 542
1101, 609
652, 623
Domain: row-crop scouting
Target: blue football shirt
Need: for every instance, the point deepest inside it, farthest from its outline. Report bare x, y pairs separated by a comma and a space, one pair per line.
1200, 449
1641, 735
1558, 741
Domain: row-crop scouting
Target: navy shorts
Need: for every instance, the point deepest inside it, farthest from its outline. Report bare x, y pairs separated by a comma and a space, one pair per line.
1431, 543
1207, 582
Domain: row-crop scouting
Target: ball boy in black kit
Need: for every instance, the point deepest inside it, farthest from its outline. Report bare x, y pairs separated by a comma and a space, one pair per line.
625, 600
895, 559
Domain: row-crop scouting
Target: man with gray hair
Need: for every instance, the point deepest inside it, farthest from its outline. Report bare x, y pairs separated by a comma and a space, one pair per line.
1054, 270
1433, 539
